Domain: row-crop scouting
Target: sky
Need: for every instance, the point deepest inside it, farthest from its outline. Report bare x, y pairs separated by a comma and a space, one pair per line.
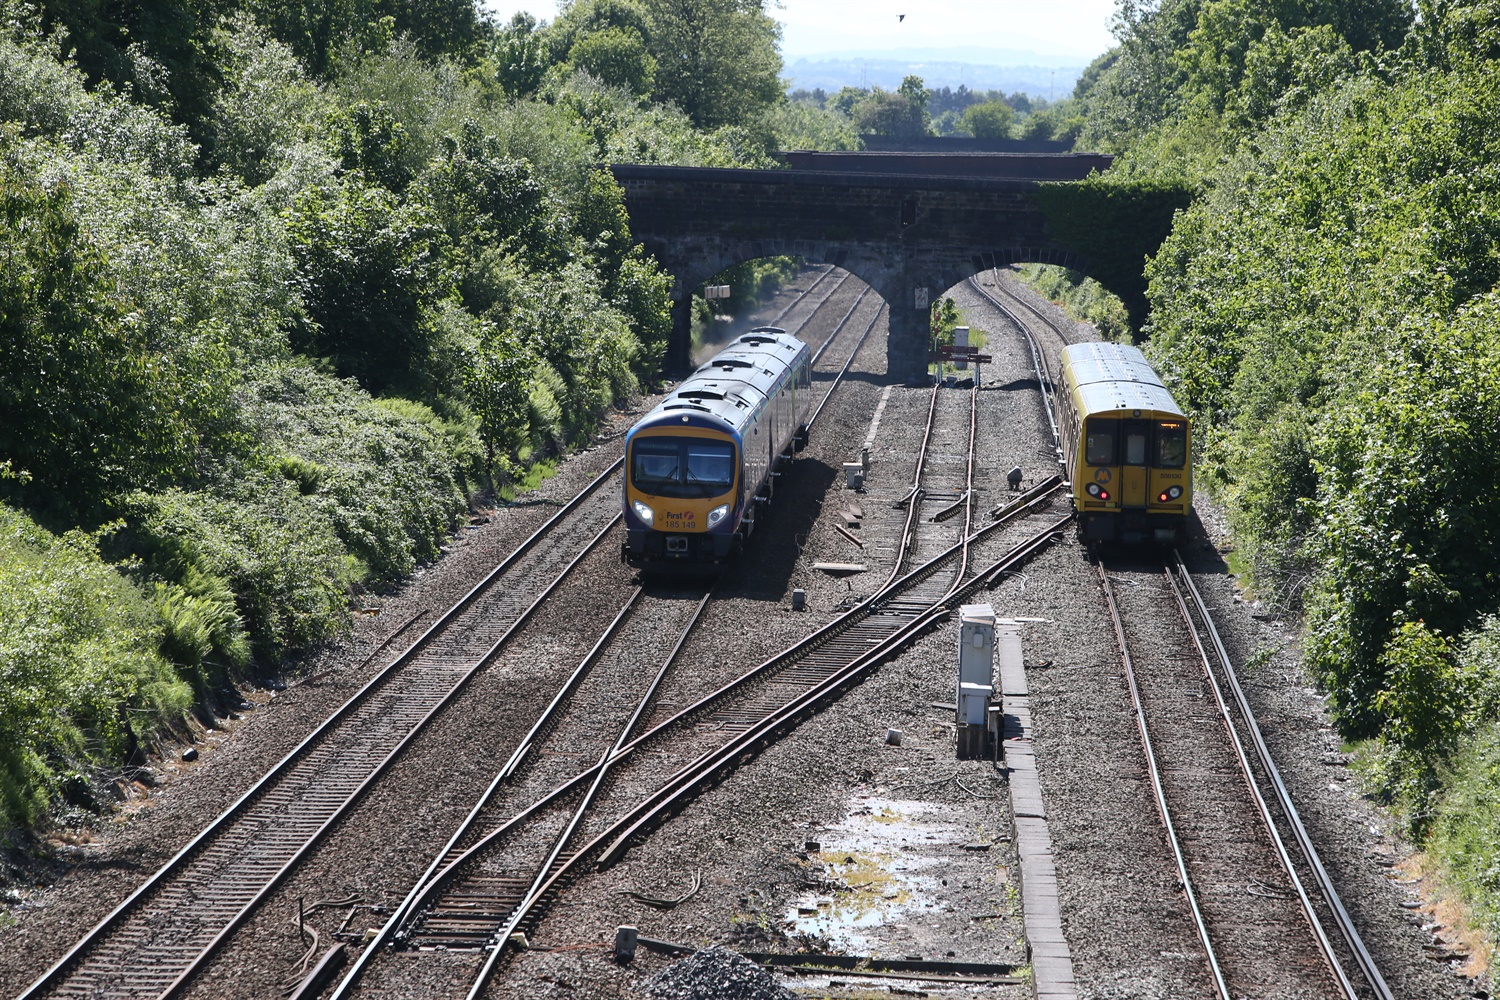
1070, 30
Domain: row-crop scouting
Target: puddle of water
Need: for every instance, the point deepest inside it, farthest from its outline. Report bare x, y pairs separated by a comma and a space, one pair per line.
885, 864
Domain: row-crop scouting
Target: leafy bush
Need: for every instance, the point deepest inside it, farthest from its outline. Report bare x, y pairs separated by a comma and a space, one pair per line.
1080, 296
80, 674
380, 475
266, 106
283, 560
90, 406
368, 266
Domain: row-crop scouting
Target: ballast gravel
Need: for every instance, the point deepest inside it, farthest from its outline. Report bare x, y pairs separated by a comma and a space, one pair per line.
715, 974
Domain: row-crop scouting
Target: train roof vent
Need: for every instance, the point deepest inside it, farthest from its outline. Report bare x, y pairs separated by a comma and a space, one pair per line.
730, 364
685, 406
774, 331
759, 337
700, 394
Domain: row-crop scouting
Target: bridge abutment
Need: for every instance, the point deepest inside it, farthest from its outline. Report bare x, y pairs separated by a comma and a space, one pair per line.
910, 330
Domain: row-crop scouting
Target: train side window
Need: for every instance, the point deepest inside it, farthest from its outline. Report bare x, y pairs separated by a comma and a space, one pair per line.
1171, 444
1099, 449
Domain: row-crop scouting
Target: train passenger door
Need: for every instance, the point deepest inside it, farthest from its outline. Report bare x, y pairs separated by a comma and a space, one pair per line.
1135, 457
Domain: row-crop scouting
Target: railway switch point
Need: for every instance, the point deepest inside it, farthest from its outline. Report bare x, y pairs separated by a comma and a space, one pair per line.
976, 680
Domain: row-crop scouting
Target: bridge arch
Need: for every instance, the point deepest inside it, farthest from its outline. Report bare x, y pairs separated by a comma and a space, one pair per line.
909, 235
902, 283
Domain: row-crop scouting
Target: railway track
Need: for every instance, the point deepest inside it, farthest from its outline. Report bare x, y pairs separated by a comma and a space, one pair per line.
1263, 931
483, 906
155, 942
1340, 964
482, 891
697, 745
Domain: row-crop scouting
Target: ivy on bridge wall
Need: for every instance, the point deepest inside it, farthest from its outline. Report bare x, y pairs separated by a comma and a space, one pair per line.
1115, 224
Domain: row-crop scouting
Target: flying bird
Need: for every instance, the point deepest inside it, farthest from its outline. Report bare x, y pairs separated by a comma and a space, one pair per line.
900, 17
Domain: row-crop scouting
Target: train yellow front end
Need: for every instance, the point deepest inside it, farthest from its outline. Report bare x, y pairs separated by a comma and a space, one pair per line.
682, 490
1129, 457
700, 466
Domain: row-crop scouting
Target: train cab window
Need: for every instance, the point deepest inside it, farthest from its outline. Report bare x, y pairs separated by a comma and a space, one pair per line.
1135, 436
1099, 449
681, 468
1171, 444
653, 462
711, 464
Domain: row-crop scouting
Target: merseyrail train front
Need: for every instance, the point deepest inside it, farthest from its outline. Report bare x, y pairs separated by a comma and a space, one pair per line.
699, 467
1128, 446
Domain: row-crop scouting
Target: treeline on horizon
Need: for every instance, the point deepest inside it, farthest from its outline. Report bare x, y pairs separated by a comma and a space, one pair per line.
1327, 308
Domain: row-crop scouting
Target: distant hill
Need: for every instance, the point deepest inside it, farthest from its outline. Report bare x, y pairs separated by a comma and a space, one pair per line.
978, 69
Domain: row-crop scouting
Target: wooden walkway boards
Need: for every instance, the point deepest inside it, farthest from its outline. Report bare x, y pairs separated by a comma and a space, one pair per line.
1051, 962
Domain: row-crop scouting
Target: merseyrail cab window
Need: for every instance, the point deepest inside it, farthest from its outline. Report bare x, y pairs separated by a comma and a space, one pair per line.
1099, 449
682, 468
1135, 443
1171, 444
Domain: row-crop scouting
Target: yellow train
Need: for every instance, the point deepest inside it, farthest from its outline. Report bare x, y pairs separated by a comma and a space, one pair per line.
1128, 446
700, 466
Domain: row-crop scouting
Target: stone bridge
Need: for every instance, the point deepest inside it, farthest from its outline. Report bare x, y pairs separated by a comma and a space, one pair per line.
910, 225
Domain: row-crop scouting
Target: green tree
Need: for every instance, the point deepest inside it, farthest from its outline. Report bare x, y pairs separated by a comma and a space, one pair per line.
496, 387
901, 113
481, 197
577, 19
716, 59
368, 138
616, 57
158, 50
944, 316
518, 56
90, 406
318, 29
368, 267
266, 105
990, 120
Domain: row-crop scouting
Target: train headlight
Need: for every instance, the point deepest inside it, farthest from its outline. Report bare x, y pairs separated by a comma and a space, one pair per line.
1093, 489
1175, 492
718, 514
643, 512
1169, 494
